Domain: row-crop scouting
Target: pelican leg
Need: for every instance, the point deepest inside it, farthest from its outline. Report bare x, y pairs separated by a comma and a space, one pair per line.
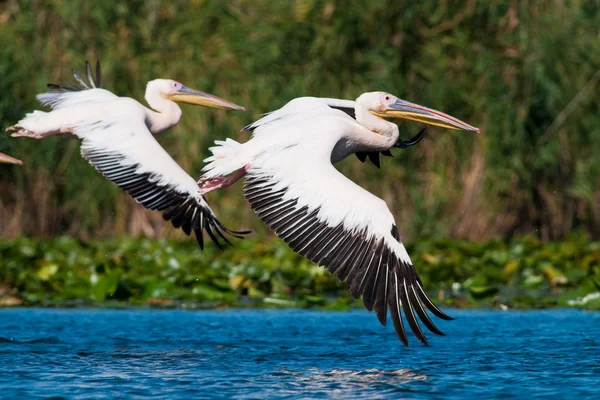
402, 144
207, 185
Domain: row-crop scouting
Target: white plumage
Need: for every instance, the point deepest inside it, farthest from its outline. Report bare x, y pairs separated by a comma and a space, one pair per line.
293, 187
117, 139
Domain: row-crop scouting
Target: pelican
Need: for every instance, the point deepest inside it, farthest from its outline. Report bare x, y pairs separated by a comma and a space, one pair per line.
9, 160
293, 187
117, 139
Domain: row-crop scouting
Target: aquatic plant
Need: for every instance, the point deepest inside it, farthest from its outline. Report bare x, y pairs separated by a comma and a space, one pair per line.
516, 273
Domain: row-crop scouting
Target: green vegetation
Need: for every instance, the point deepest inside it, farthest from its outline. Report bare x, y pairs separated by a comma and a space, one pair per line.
526, 73
519, 273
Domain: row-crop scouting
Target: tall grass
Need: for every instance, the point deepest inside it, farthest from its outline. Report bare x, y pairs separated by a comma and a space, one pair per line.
525, 72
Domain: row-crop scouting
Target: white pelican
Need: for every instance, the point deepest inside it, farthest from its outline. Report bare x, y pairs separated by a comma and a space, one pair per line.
9, 160
293, 188
117, 140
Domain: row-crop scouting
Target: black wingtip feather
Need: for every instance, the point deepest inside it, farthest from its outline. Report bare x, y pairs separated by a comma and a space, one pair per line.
381, 296
189, 216
88, 71
98, 74
238, 234
198, 232
367, 263
369, 288
362, 156
199, 239
412, 297
374, 157
212, 236
81, 84
218, 231
182, 214
186, 225
429, 304
410, 315
396, 314
189, 212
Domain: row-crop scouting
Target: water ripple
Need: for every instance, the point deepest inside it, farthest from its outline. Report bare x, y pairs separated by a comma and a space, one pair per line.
294, 354
43, 340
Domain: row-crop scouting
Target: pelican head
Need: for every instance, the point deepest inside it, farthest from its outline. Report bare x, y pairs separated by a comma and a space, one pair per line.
176, 91
385, 105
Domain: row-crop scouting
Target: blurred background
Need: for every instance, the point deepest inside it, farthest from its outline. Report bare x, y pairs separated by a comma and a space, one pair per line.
526, 72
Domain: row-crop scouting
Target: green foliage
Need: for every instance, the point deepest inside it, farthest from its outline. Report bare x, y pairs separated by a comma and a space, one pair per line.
64, 271
524, 72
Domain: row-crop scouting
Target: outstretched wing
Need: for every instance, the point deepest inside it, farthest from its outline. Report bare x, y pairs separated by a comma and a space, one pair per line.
330, 220
307, 104
126, 153
65, 95
302, 105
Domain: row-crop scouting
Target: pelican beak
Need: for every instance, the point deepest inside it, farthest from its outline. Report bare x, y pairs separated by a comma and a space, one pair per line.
191, 96
9, 160
414, 112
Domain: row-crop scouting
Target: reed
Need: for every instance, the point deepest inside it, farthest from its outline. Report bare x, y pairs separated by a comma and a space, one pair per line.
525, 72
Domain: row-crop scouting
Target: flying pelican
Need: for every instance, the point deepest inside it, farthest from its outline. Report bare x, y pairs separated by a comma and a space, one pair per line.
293, 188
117, 139
9, 160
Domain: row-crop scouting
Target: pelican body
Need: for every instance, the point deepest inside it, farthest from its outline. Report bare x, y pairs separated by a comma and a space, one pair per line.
293, 188
117, 139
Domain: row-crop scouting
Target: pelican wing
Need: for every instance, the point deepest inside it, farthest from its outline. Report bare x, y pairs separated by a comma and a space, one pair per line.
301, 105
126, 153
308, 104
347, 106
60, 96
330, 220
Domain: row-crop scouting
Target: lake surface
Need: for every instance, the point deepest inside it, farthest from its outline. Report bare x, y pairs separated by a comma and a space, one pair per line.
47, 353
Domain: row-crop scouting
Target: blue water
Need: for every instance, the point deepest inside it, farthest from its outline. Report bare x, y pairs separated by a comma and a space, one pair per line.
83, 354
